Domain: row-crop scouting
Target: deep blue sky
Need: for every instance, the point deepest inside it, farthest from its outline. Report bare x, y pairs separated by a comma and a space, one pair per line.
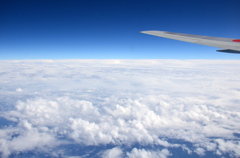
109, 29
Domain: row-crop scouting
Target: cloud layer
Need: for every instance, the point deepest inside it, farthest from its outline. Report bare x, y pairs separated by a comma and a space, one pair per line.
120, 108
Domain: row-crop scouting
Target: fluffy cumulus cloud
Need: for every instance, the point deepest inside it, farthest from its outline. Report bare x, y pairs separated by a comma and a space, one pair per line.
120, 108
112, 153
142, 153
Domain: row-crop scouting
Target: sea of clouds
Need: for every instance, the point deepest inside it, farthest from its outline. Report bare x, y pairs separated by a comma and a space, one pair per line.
120, 108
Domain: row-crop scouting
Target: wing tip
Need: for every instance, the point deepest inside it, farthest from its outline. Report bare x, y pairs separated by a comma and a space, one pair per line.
145, 31
153, 31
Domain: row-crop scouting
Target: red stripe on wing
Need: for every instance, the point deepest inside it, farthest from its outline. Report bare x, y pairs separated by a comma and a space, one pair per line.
236, 40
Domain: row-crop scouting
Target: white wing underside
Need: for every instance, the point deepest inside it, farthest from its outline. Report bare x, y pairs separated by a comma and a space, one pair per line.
227, 44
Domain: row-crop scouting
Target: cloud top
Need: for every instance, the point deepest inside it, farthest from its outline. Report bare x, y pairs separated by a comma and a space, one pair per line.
152, 108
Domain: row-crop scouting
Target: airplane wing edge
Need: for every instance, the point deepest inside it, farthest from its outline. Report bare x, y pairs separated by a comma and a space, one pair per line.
228, 45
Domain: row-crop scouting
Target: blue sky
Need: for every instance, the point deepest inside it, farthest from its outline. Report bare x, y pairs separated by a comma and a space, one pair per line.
93, 29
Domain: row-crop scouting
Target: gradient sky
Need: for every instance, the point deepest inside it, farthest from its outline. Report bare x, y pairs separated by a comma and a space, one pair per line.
109, 29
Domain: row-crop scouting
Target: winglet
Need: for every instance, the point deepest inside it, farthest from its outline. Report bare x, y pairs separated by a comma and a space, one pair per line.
228, 51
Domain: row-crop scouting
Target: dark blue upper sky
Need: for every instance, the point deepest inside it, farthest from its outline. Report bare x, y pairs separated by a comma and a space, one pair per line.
109, 29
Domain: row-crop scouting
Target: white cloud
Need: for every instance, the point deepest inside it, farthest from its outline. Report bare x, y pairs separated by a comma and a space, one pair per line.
161, 103
25, 141
19, 90
226, 146
200, 151
142, 153
113, 153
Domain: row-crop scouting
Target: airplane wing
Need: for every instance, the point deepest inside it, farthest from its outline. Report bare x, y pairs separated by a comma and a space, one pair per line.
228, 45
